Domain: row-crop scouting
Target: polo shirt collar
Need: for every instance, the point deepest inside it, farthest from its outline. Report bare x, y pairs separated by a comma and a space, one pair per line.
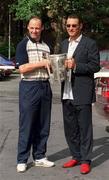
33, 40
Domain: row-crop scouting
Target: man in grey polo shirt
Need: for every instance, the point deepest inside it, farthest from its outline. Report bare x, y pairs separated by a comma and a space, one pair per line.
35, 97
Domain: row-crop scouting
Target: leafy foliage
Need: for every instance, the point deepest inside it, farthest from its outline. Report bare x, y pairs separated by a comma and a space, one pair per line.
26, 8
91, 10
94, 12
5, 47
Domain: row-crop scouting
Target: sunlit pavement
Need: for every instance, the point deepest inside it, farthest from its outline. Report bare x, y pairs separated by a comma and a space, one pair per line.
57, 147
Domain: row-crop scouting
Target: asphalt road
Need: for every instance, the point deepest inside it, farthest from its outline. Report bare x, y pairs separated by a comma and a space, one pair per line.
57, 147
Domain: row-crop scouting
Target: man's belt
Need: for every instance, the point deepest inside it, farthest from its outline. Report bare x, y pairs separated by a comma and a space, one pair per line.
34, 79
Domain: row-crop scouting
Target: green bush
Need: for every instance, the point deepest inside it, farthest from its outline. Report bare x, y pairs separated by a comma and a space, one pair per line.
4, 48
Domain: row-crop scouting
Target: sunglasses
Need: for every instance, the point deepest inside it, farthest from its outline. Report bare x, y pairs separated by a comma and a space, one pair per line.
72, 25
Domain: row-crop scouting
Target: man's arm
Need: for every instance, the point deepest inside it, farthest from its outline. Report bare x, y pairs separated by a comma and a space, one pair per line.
22, 59
93, 61
31, 67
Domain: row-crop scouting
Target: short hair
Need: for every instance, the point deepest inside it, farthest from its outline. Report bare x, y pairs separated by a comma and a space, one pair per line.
35, 17
76, 16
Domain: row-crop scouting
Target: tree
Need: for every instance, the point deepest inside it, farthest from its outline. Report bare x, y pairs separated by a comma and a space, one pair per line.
94, 12
4, 17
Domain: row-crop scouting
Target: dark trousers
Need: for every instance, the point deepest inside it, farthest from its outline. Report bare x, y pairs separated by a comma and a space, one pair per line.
34, 120
78, 129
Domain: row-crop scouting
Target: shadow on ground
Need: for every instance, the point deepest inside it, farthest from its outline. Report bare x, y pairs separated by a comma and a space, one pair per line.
100, 153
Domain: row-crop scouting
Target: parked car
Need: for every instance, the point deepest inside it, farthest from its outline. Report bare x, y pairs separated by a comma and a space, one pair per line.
102, 92
14, 61
104, 58
6, 66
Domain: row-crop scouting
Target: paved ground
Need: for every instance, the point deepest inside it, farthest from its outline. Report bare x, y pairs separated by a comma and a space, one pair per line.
57, 147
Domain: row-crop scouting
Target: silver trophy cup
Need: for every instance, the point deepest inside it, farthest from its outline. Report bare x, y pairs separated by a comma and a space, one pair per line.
58, 69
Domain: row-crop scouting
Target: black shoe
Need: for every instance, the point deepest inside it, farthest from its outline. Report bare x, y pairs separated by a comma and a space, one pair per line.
107, 129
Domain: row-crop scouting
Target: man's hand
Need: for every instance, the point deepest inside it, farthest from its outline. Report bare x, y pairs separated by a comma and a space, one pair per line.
31, 67
46, 63
70, 63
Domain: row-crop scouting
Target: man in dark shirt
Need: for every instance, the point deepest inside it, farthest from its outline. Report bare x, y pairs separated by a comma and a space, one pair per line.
35, 97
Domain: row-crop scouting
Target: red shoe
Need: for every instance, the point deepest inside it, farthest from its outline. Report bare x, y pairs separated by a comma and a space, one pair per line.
70, 163
85, 168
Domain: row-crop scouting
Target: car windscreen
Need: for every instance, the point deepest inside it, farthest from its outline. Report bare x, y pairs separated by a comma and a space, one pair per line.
104, 55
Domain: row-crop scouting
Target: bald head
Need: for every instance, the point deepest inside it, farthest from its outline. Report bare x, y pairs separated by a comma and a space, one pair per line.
35, 28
